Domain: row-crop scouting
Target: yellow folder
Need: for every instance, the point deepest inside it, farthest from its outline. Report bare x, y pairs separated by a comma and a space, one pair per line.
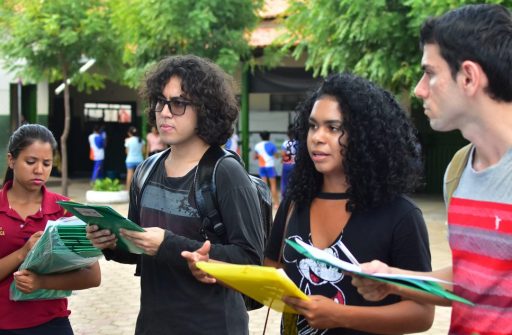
265, 284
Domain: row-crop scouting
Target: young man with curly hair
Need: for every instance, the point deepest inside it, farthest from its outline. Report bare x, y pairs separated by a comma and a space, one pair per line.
467, 85
192, 103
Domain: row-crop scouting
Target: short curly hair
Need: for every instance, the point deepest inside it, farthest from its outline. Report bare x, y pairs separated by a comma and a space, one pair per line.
211, 89
382, 156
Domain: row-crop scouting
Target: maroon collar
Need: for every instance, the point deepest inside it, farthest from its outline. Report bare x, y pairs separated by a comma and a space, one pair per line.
48, 204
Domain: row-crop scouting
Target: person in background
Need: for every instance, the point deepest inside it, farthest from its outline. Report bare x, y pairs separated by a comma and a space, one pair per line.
134, 153
103, 134
288, 152
154, 143
96, 153
232, 144
25, 208
467, 86
265, 152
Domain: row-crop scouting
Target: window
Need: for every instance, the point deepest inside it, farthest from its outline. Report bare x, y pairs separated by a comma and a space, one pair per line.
108, 112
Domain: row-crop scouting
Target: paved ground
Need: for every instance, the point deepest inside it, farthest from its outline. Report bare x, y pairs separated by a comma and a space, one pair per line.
111, 309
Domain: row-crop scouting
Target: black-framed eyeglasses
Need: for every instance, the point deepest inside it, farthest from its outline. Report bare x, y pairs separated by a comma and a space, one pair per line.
177, 106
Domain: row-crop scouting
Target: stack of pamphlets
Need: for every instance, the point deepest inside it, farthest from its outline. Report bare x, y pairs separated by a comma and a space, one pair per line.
63, 247
73, 238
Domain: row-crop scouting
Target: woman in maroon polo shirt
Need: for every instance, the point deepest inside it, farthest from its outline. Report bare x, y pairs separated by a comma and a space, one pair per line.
25, 207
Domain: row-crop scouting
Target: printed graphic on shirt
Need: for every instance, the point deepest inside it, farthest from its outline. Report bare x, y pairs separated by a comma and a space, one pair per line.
175, 202
2, 232
481, 241
317, 276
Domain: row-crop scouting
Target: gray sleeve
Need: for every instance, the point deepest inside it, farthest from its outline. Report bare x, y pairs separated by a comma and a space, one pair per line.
241, 215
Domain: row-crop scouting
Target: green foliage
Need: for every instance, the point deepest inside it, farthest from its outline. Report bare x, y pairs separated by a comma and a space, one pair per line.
107, 184
50, 39
152, 29
376, 39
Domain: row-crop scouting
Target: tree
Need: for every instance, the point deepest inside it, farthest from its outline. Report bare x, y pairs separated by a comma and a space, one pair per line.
50, 39
376, 39
151, 30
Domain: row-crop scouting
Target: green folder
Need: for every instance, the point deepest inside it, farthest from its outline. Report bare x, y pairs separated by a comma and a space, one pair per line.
105, 217
54, 254
419, 283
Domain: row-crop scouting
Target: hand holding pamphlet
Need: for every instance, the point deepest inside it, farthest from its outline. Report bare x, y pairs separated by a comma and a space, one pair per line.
420, 283
105, 217
264, 284
63, 247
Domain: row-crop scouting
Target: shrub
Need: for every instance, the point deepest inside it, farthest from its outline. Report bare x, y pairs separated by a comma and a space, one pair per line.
107, 184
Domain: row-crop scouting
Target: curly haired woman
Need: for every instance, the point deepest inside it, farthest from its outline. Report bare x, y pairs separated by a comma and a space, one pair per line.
357, 157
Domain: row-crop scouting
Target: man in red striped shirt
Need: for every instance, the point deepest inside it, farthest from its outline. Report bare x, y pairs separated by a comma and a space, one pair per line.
467, 85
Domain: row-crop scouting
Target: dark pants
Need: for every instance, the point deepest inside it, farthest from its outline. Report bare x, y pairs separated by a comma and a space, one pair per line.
57, 326
97, 170
285, 177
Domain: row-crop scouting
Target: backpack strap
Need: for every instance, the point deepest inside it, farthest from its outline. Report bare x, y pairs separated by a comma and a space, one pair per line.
144, 171
454, 171
289, 212
205, 191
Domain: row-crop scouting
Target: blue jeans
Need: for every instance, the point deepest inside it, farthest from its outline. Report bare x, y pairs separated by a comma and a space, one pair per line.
57, 326
97, 170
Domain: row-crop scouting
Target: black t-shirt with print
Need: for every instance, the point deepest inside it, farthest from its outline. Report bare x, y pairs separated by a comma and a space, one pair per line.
394, 233
172, 300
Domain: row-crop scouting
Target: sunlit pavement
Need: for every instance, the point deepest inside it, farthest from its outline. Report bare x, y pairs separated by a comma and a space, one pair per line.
112, 308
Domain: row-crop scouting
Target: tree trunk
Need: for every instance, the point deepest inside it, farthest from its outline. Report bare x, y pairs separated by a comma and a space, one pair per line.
64, 136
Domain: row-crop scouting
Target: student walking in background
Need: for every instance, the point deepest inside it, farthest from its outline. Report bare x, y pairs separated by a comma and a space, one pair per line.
154, 143
25, 208
134, 145
265, 152
288, 152
467, 85
96, 152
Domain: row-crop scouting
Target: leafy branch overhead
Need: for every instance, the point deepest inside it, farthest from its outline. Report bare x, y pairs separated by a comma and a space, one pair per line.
376, 39
45, 39
151, 30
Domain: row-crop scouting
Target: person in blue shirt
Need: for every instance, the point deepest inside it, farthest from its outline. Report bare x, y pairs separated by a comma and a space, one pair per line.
96, 153
265, 152
134, 153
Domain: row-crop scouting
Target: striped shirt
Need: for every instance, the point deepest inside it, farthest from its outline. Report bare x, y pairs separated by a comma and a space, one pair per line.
480, 233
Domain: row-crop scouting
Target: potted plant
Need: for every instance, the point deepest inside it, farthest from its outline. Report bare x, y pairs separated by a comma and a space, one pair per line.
107, 190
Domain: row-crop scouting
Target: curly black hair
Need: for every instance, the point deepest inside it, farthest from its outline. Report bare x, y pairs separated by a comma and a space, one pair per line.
204, 83
382, 156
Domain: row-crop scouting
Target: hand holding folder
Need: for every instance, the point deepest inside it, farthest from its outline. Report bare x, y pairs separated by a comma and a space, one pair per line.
62, 247
264, 284
420, 283
105, 217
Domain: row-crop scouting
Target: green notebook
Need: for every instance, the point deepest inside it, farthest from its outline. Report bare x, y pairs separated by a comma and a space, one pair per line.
105, 217
420, 283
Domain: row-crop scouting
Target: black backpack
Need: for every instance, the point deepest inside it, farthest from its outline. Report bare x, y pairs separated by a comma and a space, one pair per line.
205, 192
